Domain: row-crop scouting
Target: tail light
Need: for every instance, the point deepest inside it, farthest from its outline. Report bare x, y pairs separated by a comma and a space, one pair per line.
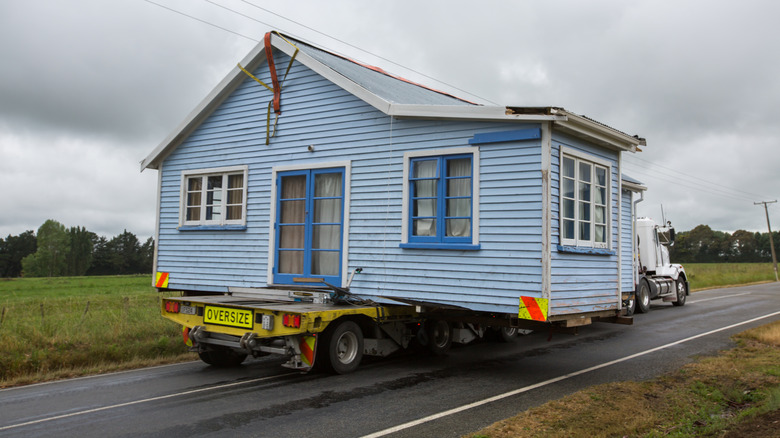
293, 321
172, 307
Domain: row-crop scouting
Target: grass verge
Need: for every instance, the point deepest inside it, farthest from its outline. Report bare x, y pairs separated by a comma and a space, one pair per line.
734, 394
710, 275
72, 326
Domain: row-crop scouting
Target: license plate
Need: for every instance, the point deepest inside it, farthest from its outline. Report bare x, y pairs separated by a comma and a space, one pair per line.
228, 316
188, 310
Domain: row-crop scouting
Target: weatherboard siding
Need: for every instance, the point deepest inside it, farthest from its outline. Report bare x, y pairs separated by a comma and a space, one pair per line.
627, 253
583, 282
342, 128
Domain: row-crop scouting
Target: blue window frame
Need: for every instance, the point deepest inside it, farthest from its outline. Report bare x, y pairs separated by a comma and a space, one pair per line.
441, 203
309, 226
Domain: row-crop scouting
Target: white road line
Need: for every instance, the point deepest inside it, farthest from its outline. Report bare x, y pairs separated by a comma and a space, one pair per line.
433, 417
136, 402
719, 298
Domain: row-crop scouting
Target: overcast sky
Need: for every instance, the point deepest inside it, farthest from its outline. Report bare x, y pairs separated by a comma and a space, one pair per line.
89, 88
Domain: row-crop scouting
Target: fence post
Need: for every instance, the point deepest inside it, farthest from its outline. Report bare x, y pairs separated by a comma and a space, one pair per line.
83, 315
2, 317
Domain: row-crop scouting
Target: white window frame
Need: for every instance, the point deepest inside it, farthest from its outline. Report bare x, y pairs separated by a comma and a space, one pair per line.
593, 161
205, 174
408, 156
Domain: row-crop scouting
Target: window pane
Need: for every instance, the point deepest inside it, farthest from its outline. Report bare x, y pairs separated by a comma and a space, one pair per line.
458, 207
584, 231
215, 182
600, 216
585, 172
584, 192
327, 237
601, 176
568, 188
568, 208
585, 211
458, 227
325, 263
601, 232
327, 210
234, 213
293, 186
193, 199
424, 207
424, 227
235, 196
291, 236
291, 262
195, 184
459, 187
601, 195
459, 167
568, 167
293, 212
214, 213
425, 169
327, 185
236, 181
193, 213
568, 229
425, 188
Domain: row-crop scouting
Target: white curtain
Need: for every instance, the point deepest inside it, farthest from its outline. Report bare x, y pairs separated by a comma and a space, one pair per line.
293, 211
326, 224
425, 188
457, 188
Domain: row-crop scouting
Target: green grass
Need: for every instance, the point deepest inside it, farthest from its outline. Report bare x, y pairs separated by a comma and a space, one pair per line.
709, 275
59, 327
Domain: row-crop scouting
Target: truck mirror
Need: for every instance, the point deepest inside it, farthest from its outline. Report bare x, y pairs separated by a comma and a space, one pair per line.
671, 236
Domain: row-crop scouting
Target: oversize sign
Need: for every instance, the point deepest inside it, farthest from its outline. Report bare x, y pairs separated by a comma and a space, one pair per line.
229, 317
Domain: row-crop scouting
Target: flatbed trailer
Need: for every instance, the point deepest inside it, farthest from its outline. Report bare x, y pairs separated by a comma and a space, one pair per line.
331, 330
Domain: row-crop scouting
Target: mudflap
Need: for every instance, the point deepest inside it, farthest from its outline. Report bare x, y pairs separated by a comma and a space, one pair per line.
304, 349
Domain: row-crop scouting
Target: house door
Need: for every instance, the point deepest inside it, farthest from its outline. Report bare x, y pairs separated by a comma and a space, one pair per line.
309, 226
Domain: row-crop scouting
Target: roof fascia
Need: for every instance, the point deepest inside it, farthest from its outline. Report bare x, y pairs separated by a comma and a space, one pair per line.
461, 112
633, 187
601, 134
206, 106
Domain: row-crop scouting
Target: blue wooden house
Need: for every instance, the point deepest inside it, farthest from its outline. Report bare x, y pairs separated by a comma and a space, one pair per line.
303, 167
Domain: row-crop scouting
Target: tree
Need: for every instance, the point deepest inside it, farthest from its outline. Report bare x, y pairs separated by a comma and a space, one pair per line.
81, 246
147, 256
50, 259
13, 249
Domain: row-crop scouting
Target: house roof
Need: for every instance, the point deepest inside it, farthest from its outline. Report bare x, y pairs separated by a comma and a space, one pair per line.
391, 94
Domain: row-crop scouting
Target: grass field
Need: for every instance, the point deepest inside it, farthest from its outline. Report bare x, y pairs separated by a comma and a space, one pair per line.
708, 275
60, 327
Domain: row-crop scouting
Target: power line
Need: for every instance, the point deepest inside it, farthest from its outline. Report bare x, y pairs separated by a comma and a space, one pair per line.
204, 21
678, 174
340, 41
694, 186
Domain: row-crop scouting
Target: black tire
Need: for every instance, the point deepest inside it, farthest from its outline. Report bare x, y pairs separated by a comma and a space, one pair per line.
508, 334
222, 357
439, 336
642, 297
342, 348
682, 291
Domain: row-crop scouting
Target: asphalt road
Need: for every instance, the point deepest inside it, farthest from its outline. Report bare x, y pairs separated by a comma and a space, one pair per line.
403, 396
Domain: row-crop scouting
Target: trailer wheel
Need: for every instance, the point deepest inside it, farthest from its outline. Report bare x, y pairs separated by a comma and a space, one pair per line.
344, 346
643, 297
222, 357
682, 292
439, 336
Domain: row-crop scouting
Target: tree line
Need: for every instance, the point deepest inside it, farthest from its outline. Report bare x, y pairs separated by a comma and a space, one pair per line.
57, 251
704, 245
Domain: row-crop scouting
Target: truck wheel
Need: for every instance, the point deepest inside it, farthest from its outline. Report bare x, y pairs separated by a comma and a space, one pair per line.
643, 297
222, 357
508, 334
344, 348
439, 336
682, 292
